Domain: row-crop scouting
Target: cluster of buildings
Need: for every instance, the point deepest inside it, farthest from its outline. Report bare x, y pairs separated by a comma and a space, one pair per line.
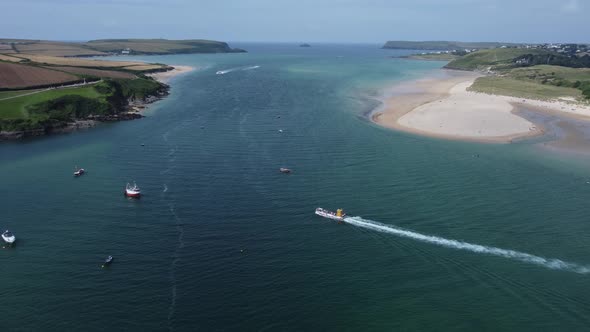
570, 49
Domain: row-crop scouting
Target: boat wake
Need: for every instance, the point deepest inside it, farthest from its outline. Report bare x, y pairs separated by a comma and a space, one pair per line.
225, 71
176, 258
250, 67
550, 263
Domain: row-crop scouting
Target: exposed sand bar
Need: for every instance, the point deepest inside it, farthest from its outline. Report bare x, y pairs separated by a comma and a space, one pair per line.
166, 76
444, 108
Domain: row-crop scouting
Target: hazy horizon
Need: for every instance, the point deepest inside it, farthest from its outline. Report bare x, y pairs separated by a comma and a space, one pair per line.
331, 21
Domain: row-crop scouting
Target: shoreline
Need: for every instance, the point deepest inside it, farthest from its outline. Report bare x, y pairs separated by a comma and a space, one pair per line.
132, 111
165, 76
444, 108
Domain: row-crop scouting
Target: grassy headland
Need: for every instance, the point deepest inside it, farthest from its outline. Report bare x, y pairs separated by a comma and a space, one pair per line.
48, 110
160, 46
517, 72
113, 46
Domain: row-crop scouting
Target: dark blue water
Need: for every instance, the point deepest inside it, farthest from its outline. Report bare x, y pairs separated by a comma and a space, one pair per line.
222, 240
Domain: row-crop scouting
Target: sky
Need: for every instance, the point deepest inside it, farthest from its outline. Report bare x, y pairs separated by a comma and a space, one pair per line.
339, 21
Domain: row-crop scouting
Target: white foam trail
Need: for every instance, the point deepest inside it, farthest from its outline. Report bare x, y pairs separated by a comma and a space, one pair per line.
551, 263
225, 71
250, 67
165, 188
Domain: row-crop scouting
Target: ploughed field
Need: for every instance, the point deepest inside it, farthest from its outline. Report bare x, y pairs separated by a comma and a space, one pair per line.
94, 72
59, 61
13, 76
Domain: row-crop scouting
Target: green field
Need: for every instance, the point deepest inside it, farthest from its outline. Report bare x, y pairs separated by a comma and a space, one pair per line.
551, 73
536, 82
523, 89
8, 94
16, 108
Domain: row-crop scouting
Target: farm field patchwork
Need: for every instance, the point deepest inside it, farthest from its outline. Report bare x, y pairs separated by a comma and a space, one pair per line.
13, 76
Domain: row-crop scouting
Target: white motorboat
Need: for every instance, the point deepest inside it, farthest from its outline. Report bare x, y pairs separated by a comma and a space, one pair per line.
8, 237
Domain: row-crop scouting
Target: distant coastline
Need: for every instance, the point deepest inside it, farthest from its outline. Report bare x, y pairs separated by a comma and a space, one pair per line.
52, 87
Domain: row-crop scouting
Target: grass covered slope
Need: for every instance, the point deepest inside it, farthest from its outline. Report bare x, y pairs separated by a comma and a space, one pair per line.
49, 109
507, 86
516, 73
497, 58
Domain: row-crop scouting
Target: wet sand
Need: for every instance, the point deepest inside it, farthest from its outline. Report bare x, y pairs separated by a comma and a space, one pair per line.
444, 108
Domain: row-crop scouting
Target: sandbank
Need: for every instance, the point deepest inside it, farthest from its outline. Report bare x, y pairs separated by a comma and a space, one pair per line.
444, 108
166, 76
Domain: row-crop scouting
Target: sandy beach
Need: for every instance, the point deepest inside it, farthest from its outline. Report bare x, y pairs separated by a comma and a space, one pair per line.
444, 108
166, 76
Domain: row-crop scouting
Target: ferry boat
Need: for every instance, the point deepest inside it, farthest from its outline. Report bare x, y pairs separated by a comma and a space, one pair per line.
132, 190
339, 215
79, 171
8, 237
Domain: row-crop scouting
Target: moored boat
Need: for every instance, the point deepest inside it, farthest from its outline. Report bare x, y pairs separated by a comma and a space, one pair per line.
8, 237
132, 190
107, 261
79, 171
339, 215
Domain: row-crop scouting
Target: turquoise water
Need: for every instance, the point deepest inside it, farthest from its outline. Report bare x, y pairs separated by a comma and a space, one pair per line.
222, 241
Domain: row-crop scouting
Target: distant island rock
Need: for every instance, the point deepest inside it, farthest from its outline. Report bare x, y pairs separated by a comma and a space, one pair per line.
304, 45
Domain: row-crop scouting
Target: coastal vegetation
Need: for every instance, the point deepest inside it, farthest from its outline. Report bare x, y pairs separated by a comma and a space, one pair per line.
507, 86
442, 45
492, 59
529, 73
47, 110
46, 86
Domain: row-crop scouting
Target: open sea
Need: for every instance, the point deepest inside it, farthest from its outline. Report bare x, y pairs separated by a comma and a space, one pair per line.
443, 235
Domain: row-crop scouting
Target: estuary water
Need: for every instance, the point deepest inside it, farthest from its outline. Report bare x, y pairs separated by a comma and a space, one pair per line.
442, 235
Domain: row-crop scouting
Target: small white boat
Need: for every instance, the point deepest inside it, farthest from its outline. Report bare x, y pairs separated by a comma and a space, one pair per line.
107, 261
339, 215
132, 190
79, 171
8, 237
284, 170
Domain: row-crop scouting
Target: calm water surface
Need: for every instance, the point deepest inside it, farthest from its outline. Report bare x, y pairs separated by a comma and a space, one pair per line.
222, 241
